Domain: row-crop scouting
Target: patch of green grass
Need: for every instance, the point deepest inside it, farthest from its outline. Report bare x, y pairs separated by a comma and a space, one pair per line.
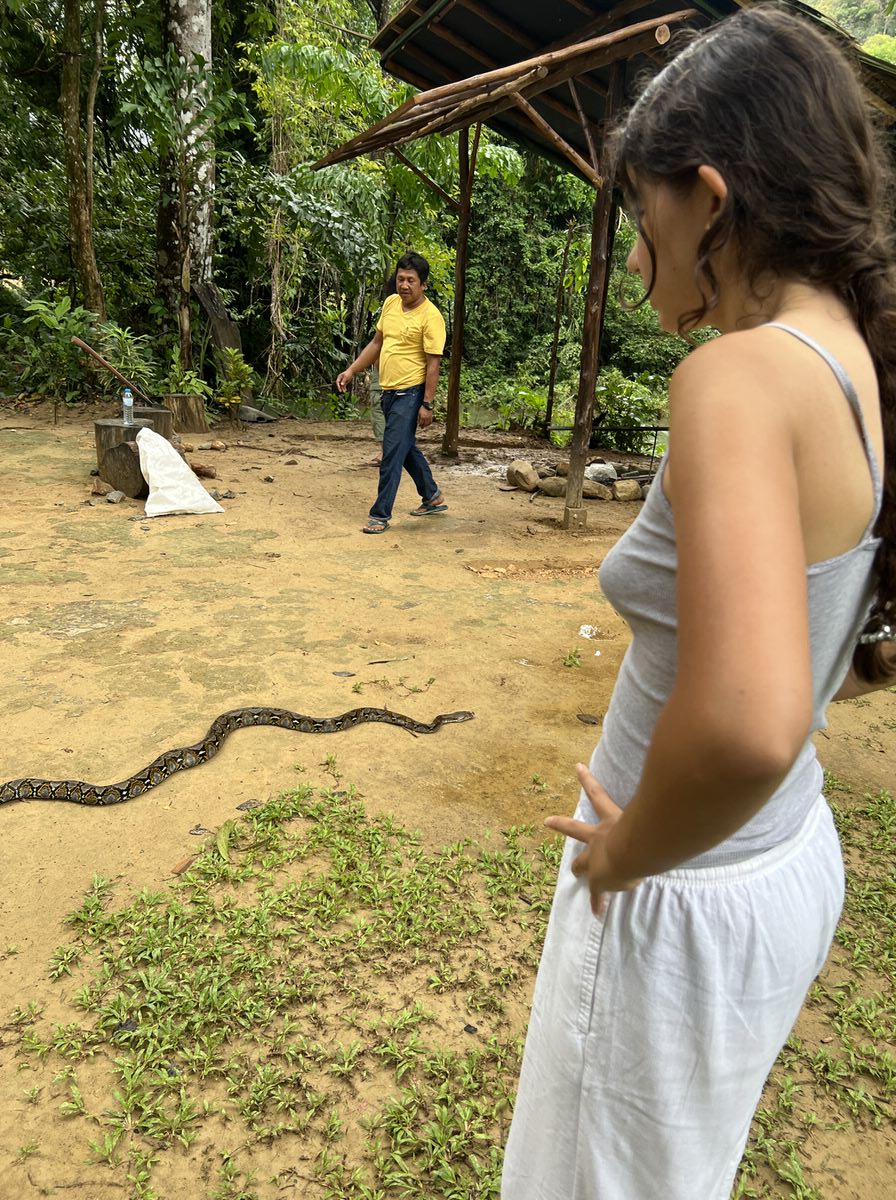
282, 973
314, 954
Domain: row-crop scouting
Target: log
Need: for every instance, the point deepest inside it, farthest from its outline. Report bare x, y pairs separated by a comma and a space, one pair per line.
188, 411
113, 432
162, 419
120, 468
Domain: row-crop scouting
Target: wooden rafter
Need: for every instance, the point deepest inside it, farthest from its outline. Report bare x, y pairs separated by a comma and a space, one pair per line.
585, 123
491, 64
436, 111
556, 140
430, 183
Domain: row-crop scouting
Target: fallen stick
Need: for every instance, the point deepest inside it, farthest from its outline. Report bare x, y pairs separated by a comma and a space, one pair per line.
76, 341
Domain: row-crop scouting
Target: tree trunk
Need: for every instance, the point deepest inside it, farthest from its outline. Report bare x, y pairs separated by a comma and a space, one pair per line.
80, 199
184, 227
467, 173
574, 517
169, 250
277, 351
555, 341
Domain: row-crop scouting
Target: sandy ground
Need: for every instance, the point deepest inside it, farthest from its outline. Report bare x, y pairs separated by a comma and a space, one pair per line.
123, 636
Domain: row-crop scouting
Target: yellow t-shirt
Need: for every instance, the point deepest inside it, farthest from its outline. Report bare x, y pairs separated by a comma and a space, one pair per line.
407, 339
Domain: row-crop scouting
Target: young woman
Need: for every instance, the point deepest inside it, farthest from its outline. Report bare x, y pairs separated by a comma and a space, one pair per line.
702, 879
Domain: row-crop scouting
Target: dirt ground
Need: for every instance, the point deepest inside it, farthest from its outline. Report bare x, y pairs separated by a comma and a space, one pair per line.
122, 636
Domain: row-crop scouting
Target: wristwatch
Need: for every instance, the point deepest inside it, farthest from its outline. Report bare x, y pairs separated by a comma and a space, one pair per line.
428, 407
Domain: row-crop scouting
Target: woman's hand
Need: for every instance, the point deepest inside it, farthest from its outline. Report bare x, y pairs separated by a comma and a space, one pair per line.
594, 862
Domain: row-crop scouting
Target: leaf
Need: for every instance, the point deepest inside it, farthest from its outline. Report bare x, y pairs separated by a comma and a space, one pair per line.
222, 841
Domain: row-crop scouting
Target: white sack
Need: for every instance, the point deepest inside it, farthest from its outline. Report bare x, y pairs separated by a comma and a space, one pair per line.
173, 488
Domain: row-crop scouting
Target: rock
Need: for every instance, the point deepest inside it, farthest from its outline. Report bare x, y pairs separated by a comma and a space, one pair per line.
553, 487
592, 490
267, 478
253, 415
115, 497
626, 489
217, 445
562, 468
100, 488
228, 495
187, 447
523, 475
545, 472
203, 471
601, 472
292, 462
645, 490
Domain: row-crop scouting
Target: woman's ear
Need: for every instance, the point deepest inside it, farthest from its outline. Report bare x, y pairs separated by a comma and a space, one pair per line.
715, 190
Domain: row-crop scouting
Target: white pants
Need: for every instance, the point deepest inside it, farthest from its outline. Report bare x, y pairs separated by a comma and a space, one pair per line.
653, 1029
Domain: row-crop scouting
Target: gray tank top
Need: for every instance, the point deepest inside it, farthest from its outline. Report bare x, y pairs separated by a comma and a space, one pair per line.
638, 577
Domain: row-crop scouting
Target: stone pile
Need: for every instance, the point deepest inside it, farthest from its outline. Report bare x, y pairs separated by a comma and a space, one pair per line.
602, 481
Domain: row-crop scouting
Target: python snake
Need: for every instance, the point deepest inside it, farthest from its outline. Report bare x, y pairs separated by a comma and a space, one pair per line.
185, 757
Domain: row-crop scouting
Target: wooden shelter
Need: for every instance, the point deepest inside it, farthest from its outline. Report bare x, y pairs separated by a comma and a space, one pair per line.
550, 76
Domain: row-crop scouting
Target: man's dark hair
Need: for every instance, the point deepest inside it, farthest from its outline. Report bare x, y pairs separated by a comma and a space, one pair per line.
413, 262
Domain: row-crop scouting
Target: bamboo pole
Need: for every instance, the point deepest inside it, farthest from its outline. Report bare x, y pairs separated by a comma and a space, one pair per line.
561, 65
565, 54
502, 97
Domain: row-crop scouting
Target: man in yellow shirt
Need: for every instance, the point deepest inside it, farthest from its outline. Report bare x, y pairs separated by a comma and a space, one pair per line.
408, 345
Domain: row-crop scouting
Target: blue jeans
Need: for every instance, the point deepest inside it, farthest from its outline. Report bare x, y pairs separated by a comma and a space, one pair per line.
400, 451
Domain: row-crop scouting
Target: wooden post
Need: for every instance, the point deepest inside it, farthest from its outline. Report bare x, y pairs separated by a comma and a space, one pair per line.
574, 515
467, 165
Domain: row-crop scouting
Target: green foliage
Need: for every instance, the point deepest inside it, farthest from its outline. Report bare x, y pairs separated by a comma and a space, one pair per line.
235, 379
37, 351
177, 381
861, 18
881, 45
624, 401
130, 352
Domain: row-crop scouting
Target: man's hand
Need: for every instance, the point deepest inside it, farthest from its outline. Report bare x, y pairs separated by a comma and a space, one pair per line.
593, 862
424, 418
344, 379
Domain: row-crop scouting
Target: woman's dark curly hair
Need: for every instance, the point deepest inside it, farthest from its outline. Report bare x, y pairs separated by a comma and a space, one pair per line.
775, 106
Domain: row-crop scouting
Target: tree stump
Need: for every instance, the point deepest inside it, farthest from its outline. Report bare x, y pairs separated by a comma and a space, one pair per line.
120, 467
188, 411
113, 432
162, 419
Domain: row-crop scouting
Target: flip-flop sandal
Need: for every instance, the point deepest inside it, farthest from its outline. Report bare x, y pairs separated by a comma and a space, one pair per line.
427, 510
375, 527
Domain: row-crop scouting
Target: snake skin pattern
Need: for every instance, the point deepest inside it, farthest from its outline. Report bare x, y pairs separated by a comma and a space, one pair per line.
184, 758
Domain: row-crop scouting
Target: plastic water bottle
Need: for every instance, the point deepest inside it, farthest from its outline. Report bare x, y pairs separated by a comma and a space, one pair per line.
127, 404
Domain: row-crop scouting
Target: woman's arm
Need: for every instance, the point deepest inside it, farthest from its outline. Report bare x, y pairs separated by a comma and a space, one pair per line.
742, 703
852, 686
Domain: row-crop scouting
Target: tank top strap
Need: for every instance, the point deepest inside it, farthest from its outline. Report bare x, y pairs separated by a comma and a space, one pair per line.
849, 391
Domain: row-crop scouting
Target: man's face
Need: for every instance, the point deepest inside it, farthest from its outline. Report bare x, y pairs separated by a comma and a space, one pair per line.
409, 287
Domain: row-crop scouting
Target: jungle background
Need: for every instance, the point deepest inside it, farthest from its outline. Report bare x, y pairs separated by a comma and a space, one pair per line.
156, 198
